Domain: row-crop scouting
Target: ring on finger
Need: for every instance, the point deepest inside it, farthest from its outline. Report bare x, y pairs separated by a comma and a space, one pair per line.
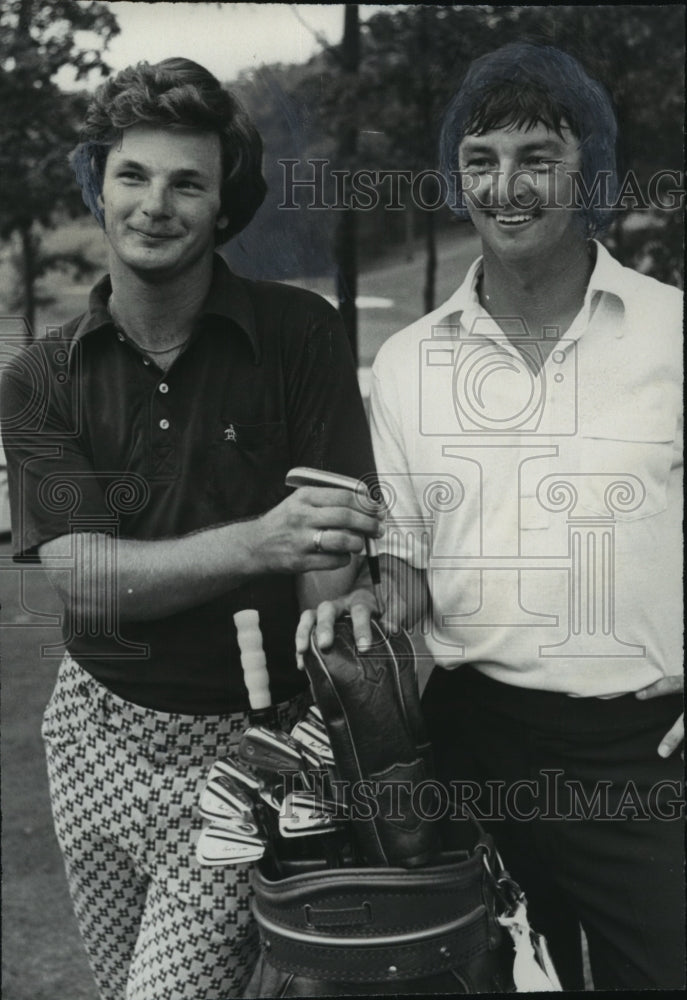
317, 540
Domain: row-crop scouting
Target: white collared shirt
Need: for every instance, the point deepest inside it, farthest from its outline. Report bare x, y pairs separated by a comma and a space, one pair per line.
546, 508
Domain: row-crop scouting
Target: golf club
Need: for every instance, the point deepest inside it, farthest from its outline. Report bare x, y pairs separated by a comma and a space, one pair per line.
273, 752
302, 814
312, 738
217, 846
254, 666
303, 476
223, 798
238, 772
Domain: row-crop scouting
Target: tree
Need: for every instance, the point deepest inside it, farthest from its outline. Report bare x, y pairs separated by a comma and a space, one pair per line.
413, 60
40, 123
346, 246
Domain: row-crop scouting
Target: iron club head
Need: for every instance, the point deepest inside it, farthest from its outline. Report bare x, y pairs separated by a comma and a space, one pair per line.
314, 739
302, 814
272, 752
217, 846
237, 771
223, 798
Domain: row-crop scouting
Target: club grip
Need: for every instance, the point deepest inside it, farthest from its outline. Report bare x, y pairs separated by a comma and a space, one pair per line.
253, 661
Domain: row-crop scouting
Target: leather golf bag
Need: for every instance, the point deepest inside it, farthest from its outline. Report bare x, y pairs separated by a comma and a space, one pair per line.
402, 916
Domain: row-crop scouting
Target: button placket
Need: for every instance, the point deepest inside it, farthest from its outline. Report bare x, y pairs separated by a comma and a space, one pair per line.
164, 433
162, 390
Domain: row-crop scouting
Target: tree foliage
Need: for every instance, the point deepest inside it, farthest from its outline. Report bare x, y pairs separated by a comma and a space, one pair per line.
40, 122
412, 60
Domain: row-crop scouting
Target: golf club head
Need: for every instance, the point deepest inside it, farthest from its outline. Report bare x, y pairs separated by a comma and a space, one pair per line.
315, 739
273, 794
315, 765
223, 798
237, 771
217, 846
302, 814
314, 715
271, 752
243, 827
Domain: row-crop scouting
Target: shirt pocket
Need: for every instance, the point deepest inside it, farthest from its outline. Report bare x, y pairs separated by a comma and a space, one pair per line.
624, 466
247, 465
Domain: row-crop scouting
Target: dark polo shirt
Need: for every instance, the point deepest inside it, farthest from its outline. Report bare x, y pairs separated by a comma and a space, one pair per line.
99, 438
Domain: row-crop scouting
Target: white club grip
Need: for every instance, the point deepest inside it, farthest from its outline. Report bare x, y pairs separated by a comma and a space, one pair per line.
253, 659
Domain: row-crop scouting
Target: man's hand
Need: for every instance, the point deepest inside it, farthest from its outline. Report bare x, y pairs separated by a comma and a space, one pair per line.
315, 528
676, 734
359, 604
406, 600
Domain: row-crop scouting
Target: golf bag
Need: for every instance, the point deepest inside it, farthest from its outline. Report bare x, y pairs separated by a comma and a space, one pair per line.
365, 931
405, 917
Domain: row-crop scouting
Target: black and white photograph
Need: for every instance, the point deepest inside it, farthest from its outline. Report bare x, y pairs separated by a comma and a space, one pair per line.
341, 502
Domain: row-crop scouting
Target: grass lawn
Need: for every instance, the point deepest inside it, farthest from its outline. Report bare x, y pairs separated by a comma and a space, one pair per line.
42, 956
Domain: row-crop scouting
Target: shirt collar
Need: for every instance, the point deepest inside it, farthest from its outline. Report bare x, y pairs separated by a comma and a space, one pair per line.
226, 298
608, 276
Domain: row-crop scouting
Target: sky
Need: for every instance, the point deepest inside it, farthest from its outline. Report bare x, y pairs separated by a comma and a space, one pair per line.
226, 38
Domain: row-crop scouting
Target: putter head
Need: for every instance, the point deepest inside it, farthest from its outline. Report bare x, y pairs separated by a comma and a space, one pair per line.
303, 814
217, 846
223, 798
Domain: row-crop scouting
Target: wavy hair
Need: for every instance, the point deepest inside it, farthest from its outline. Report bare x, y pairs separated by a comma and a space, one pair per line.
174, 93
520, 85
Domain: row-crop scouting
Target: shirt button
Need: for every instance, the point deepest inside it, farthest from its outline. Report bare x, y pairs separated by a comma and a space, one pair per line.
120, 336
164, 424
163, 387
146, 361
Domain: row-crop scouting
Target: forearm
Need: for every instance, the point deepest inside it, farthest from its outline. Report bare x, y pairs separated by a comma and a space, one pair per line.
94, 573
406, 595
98, 575
406, 599
327, 585
406, 592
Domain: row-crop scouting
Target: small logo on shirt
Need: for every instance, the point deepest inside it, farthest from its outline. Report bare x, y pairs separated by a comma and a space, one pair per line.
229, 433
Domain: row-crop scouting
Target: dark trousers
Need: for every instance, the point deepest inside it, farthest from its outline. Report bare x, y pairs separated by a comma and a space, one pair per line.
587, 816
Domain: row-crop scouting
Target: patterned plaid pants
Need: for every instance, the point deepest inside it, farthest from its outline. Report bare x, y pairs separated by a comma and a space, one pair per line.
124, 784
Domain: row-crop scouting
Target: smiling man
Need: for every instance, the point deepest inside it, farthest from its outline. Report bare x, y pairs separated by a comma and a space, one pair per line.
528, 432
147, 447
